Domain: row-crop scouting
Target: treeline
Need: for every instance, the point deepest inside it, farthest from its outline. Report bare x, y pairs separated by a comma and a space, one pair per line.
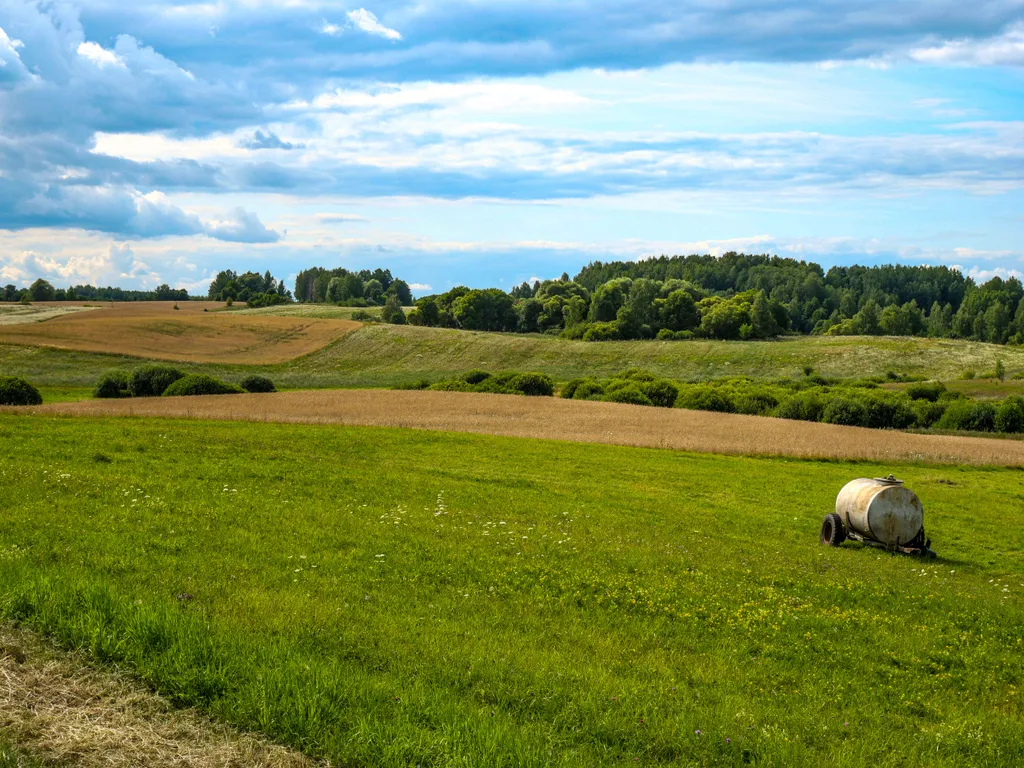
739, 296
42, 290
365, 288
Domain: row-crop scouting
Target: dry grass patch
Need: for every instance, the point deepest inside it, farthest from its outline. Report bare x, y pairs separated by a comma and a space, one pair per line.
155, 330
58, 708
19, 314
573, 420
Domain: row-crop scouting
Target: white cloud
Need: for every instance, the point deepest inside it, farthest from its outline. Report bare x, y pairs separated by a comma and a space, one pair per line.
1006, 49
241, 226
419, 287
99, 55
366, 21
341, 218
331, 29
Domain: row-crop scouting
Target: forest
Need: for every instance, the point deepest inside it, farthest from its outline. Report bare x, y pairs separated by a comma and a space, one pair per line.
739, 296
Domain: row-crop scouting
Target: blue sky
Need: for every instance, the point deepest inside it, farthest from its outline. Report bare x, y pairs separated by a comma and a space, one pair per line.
490, 142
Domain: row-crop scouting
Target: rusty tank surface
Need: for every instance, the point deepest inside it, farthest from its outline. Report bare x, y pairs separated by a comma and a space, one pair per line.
880, 512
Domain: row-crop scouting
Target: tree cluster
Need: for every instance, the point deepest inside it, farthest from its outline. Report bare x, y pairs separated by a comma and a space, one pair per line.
365, 288
251, 287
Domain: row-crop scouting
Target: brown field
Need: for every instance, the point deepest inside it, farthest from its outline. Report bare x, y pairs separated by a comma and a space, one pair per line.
63, 711
155, 330
557, 419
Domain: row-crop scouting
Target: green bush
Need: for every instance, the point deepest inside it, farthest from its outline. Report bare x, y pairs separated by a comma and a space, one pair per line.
16, 391
804, 406
637, 374
628, 394
967, 375
533, 385
475, 377
661, 393
200, 384
756, 402
885, 413
415, 385
152, 380
928, 412
588, 390
112, 384
453, 385
928, 390
846, 411
1010, 415
570, 387
602, 332
705, 398
968, 415
257, 384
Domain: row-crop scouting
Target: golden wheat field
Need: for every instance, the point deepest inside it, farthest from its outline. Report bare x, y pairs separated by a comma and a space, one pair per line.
572, 420
192, 333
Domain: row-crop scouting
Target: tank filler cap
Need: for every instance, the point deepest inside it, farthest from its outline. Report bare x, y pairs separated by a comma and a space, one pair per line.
890, 480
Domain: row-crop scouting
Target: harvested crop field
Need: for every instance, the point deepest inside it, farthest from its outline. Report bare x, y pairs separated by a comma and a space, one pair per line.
63, 710
20, 314
572, 420
192, 333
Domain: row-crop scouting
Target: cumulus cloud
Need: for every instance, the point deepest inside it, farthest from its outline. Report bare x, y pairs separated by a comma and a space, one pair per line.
366, 21
241, 226
99, 55
1005, 49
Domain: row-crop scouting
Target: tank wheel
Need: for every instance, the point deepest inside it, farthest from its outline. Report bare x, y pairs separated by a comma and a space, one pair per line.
833, 532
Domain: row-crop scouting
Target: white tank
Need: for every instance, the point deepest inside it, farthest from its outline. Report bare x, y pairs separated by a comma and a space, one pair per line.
881, 509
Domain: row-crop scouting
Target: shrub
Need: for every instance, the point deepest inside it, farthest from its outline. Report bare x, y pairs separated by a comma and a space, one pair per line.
666, 335
756, 402
112, 384
152, 380
453, 385
968, 415
889, 413
258, 384
661, 393
928, 412
602, 332
16, 391
637, 374
705, 398
1010, 415
628, 394
200, 384
475, 377
415, 385
588, 390
570, 388
846, 411
929, 390
804, 406
533, 385
967, 375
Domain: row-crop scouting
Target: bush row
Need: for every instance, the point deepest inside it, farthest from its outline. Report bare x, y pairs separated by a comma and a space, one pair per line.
508, 383
165, 380
633, 386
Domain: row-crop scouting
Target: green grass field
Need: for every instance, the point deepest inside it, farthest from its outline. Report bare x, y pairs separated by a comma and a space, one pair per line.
399, 598
385, 355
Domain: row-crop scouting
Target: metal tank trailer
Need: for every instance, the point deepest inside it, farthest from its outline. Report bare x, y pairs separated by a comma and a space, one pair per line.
879, 512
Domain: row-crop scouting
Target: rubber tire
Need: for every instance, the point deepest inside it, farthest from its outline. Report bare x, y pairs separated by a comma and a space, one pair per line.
833, 532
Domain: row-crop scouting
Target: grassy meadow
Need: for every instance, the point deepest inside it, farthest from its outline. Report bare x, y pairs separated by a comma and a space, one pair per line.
394, 597
385, 356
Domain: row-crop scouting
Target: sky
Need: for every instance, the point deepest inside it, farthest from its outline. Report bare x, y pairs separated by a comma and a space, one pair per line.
488, 142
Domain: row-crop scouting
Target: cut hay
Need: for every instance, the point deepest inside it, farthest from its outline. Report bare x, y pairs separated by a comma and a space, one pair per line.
572, 420
56, 707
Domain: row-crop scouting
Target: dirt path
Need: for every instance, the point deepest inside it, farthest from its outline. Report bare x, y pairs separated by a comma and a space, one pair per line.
56, 707
577, 421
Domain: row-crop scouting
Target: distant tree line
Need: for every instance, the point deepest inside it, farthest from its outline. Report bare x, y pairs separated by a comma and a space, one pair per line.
251, 287
365, 288
739, 296
43, 290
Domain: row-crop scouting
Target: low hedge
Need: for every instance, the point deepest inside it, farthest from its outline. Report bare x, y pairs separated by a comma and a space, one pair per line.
17, 391
152, 380
969, 416
200, 384
112, 384
258, 384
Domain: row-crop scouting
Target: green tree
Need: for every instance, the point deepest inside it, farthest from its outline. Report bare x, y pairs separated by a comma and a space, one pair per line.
866, 321
373, 290
762, 320
392, 312
608, 299
41, 290
678, 312
335, 290
1000, 370
485, 310
401, 289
